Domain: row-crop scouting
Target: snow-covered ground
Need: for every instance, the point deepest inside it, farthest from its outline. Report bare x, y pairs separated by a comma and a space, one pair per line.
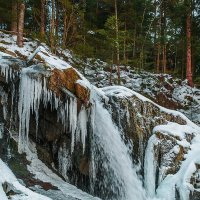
161, 88
10, 182
44, 55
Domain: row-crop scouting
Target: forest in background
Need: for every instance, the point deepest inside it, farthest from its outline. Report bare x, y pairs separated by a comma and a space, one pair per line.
160, 36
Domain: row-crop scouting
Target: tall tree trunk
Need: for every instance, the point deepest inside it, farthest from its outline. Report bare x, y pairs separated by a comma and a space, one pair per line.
189, 58
163, 27
42, 18
117, 42
183, 60
64, 30
158, 59
164, 61
134, 43
14, 17
57, 19
52, 27
20, 25
125, 60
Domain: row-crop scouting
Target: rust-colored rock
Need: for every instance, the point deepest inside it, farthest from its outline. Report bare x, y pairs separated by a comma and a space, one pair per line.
8, 52
66, 78
82, 93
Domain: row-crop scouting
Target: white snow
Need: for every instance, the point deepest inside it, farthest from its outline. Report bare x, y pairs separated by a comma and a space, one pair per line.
7, 177
180, 180
30, 49
43, 173
123, 92
175, 129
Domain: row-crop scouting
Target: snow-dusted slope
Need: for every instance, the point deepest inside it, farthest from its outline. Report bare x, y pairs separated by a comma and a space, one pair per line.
8, 44
111, 156
161, 88
11, 183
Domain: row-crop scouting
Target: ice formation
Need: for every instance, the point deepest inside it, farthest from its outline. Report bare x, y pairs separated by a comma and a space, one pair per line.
82, 126
4, 98
64, 160
180, 182
6, 71
1, 130
33, 91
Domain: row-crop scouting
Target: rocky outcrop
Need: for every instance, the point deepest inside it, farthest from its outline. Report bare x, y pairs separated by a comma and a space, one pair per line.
137, 118
53, 141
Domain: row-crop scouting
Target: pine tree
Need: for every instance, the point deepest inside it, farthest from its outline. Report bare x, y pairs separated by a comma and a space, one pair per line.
188, 36
20, 25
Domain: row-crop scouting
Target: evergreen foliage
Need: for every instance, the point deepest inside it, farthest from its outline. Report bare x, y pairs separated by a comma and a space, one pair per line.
151, 33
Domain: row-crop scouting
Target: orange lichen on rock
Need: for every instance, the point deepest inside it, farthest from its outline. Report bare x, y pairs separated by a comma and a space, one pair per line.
68, 79
82, 93
63, 79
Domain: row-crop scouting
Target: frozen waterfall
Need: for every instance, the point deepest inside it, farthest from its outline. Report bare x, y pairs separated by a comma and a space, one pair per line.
109, 152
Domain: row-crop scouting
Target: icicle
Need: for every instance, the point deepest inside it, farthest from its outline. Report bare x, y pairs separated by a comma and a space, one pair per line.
1, 130
128, 115
30, 95
4, 100
7, 71
12, 104
64, 160
82, 126
32, 92
73, 121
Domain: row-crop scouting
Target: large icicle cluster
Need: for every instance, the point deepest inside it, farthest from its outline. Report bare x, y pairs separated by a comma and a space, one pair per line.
7, 71
33, 92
